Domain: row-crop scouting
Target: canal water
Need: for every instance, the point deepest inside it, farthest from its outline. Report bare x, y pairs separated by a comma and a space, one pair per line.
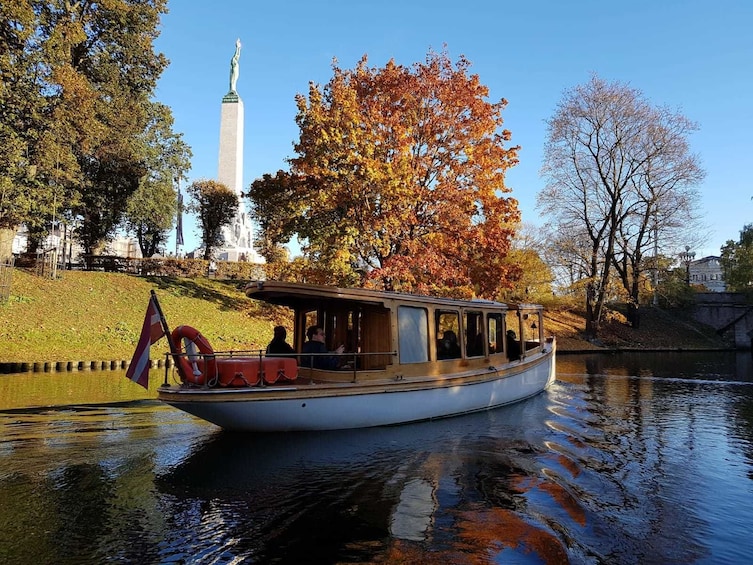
629, 458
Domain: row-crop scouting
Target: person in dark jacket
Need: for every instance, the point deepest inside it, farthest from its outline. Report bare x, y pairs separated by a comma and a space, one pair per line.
513, 346
448, 347
278, 345
316, 344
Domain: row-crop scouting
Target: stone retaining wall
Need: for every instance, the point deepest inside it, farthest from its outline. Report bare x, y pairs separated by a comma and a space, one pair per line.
728, 313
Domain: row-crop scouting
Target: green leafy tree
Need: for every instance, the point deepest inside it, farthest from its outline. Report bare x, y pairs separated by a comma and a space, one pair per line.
737, 261
25, 177
399, 181
278, 206
108, 50
151, 210
672, 289
535, 282
77, 80
216, 206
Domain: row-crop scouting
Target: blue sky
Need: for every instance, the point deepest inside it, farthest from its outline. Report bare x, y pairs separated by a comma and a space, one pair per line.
694, 56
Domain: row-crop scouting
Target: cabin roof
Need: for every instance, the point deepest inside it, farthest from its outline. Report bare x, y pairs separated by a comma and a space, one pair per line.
292, 294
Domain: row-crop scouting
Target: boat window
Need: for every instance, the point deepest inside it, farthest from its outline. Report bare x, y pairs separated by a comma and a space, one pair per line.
310, 318
332, 323
496, 332
512, 322
413, 334
532, 326
353, 335
535, 325
521, 321
447, 331
474, 334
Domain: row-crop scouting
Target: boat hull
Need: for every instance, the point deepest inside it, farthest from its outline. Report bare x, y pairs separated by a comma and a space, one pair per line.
323, 407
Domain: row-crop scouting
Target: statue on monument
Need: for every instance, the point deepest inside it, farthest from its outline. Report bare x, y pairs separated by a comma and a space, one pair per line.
234, 70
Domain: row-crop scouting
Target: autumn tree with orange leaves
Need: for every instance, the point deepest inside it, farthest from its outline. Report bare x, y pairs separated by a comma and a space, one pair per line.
398, 182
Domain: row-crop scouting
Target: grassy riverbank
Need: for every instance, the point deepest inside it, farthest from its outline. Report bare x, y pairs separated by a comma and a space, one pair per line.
92, 316
98, 316
658, 330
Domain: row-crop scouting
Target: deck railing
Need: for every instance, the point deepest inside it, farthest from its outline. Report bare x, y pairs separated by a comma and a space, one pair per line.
352, 364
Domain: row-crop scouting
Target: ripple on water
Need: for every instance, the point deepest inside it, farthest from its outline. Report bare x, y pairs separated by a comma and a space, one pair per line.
614, 464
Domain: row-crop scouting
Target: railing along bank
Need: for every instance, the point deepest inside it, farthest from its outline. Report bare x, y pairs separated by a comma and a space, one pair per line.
159, 266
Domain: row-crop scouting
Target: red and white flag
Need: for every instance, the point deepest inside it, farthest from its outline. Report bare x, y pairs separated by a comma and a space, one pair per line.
151, 332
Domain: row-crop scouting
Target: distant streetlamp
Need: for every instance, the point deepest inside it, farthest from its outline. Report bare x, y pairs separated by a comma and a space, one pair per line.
687, 257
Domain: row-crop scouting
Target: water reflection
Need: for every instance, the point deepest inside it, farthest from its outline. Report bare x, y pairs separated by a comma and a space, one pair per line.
420, 491
24, 390
627, 459
77, 483
718, 366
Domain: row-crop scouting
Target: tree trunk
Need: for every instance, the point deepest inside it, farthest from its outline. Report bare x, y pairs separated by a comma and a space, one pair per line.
592, 313
633, 315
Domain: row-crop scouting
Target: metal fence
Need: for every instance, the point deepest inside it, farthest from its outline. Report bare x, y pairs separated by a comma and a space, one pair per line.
6, 277
47, 263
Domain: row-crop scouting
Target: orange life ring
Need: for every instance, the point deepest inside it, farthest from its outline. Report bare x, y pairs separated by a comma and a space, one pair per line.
194, 368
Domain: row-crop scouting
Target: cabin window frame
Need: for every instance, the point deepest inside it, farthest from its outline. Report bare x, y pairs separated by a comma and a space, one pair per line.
472, 342
413, 334
499, 342
513, 322
441, 325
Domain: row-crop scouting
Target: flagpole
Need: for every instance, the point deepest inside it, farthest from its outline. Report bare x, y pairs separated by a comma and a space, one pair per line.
168, 335
179, 222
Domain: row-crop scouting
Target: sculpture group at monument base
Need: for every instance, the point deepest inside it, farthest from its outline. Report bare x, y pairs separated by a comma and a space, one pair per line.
230, 254
239, 254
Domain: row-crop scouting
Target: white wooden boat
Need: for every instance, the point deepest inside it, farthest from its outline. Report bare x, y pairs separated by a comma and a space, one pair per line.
396, 368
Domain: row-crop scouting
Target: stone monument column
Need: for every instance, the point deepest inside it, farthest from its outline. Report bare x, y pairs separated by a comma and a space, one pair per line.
238, 235
230, 169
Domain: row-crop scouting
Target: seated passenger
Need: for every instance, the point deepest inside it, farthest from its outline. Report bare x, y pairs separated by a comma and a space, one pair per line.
278, 345
475, 346
316, 344
513, 346
448, 346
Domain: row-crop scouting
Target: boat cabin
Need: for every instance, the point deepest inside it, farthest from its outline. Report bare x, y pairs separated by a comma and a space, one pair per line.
404, 358
403, 335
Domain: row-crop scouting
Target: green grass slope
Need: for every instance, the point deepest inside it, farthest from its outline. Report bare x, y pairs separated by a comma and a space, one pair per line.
91, 316
98, 316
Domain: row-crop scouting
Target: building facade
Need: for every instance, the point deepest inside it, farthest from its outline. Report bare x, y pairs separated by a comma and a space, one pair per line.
707, 272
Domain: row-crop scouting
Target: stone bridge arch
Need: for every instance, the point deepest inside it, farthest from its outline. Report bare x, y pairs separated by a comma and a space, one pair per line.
728, 313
